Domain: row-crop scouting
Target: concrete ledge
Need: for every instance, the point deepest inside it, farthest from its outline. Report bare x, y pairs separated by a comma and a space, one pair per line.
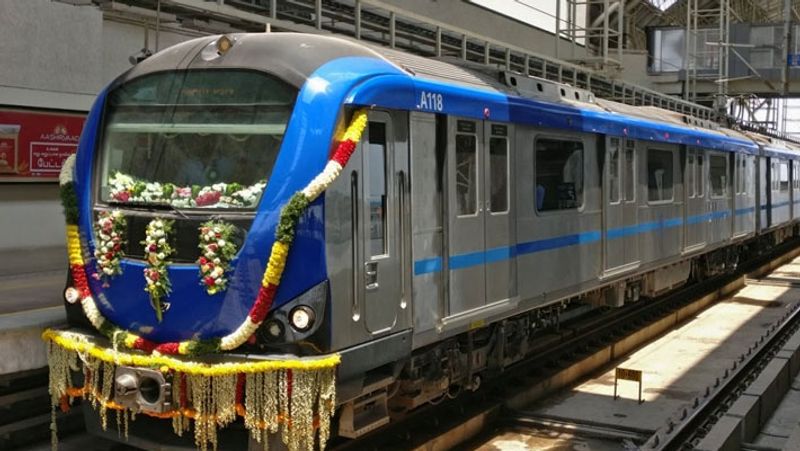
724, 436
21, 345
39, 319
794, 360
770, 386
747, 410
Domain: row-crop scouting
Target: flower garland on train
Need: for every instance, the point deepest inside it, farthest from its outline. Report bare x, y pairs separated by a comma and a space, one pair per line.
126, 188
156, 251
297, 395
110, 231
217, 249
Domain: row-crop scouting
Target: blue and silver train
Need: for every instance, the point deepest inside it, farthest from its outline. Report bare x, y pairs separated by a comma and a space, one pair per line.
477, 207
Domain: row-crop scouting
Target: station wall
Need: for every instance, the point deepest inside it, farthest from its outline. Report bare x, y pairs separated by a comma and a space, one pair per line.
56, 57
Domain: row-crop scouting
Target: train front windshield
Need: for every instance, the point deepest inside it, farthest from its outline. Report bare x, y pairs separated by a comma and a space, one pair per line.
193, 139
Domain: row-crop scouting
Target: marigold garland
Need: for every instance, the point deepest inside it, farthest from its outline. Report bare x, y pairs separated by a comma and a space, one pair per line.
276, 262
110, 232
294, 396
156, 250
218, 249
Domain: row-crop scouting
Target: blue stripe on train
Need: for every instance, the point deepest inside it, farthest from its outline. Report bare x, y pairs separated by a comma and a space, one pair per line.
461, 261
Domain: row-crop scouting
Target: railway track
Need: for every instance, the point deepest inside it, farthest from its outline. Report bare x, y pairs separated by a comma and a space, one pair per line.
689, 427
578, 348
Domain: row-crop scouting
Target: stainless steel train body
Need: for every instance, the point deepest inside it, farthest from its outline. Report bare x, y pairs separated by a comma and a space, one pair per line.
477, 207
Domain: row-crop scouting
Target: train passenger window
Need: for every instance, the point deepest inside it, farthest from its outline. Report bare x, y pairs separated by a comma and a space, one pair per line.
742, 160
718, 174
738, 173
773, 170
498, 167
466, 169
690, 186
784, 171
700, 176
630, 171
659, 175
376, 187
613, 171
559, 174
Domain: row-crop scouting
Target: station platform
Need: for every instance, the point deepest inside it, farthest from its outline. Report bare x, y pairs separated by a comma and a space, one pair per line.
676, 368
31, 286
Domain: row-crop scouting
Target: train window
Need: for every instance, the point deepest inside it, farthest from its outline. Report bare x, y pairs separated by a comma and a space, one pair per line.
466, 170
690, 186
718, 174
376, 187
193, 139
784, 172
659, 175
773, 178
630, 171
613, 171
559, 174
700, 176
738, 176
498, 171
743, 174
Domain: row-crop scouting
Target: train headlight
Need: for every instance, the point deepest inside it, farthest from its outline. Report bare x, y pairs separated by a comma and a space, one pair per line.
71, 295
302, 318
224, 44
274, 329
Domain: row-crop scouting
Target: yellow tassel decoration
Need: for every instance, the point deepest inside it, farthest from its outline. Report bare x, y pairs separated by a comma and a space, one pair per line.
301, 415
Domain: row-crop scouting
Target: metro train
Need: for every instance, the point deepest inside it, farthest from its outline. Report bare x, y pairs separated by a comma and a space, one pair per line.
478, 206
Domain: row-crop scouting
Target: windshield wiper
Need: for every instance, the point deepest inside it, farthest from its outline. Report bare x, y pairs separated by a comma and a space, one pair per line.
145, 206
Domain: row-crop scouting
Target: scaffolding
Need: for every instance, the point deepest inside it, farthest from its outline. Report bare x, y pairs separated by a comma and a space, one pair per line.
707, 51
602, 32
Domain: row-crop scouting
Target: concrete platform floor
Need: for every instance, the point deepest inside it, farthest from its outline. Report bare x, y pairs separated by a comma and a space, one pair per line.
676, 367
548, 440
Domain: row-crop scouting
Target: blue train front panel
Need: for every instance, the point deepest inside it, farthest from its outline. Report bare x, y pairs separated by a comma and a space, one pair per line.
194, 134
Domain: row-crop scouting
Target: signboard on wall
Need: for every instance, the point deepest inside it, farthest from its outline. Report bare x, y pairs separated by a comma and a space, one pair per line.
34, 145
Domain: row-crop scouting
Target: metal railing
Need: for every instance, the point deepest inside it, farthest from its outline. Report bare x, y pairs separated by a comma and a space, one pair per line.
376, 22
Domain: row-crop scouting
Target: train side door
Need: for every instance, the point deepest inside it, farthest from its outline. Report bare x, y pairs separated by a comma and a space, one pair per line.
743, 195
380, 245
481, 232
499, 228
466, 241
695, 192
621, 216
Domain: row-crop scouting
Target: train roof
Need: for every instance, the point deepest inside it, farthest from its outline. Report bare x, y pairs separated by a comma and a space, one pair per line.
467, 89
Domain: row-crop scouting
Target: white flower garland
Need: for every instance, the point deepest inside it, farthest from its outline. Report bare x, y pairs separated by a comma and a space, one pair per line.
125, 188
110, 228
218, 249
156, 251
